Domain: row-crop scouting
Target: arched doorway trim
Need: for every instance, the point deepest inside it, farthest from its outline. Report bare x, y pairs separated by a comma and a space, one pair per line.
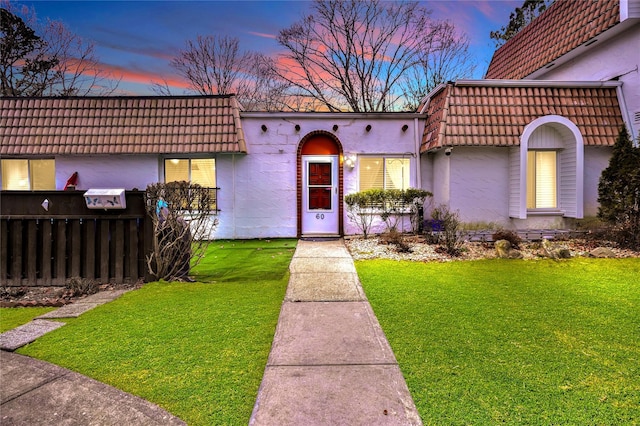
319, 143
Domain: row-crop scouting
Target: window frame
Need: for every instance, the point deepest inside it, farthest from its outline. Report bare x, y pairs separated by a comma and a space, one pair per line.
30, 173
556, 179
384, 158
213, 190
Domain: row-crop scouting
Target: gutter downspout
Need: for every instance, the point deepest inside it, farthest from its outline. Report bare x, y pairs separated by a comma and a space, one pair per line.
626, 115
418, 140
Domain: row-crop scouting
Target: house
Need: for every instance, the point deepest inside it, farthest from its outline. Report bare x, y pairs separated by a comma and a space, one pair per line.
528, 143
276, 174
523, 148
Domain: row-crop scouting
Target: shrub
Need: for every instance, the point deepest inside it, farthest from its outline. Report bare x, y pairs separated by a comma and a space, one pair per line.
396, 238
512, 237
619, 191
449, 237
81, 286
360, 208
389, 205
181, 217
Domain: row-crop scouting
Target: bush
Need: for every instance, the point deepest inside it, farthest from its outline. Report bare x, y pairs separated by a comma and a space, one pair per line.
181, 217
81, 286
389, 205
396, 238
449, 236
619, 191
510, 236
360, 208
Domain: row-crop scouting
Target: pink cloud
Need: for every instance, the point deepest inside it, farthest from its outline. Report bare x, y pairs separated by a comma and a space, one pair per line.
142, 77
263, 35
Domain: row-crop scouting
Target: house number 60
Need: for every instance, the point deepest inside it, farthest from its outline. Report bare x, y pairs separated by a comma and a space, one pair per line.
320, 216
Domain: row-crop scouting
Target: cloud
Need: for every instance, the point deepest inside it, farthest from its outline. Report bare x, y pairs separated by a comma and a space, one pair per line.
129, 75
270, 36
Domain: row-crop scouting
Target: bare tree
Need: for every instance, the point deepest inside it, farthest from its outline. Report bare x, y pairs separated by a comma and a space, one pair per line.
47, 59
211, 64
79, 72
353, 54
445, 58
215, 65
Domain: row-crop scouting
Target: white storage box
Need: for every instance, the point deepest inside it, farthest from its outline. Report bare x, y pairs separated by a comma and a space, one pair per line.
105, 199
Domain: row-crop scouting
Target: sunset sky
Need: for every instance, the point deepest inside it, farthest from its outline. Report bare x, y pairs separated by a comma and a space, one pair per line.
136, 39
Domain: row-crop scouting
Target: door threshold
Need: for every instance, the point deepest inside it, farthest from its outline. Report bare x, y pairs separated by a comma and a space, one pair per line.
320, 237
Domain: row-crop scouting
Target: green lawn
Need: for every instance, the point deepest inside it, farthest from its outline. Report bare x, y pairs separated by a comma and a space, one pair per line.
517, 342
13, 317
198, 350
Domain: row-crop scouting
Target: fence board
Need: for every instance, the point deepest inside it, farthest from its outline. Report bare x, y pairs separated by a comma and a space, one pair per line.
4, 248
118, 254
46, 237
32, 251
60, 254
16, 251
75, 243
89, 231
68, 240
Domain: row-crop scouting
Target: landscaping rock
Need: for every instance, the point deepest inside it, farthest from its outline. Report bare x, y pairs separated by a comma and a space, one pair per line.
504, 250
554, 252
602, 252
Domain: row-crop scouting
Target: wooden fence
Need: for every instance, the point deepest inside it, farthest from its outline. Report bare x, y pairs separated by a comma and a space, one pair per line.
42, 247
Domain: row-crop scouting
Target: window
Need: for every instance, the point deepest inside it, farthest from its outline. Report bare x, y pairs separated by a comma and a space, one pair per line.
384, 173
25, 175
542, 180
201, 171
195, 170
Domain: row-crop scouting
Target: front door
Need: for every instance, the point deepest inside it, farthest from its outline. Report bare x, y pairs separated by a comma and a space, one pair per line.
320, 195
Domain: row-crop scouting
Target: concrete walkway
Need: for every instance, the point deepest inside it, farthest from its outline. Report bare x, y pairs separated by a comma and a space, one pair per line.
330, 363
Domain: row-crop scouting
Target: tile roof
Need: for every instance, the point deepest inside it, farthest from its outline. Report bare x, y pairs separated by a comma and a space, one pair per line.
120, 125
494, 113
564, 26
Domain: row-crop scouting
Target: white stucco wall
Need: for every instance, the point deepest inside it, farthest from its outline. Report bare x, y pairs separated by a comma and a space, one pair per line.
108, 171
258, 195
480, 184
618, 57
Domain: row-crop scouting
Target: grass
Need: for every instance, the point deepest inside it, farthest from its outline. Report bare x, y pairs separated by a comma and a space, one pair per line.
196, 349
518, 342
13, 317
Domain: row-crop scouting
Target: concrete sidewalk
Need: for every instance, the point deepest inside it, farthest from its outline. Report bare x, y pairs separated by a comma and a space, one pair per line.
330, 363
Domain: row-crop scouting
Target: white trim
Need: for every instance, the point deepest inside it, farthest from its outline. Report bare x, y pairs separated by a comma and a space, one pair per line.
524, 145
538, 83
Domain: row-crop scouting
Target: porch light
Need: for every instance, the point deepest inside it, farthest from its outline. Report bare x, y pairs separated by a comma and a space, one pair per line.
368, 128
264, 127
405, 128
335, 127
297, 127
350, 160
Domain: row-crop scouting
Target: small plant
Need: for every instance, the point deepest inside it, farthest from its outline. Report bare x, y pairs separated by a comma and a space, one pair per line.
449, 236
511, 236
81, 286
396, 238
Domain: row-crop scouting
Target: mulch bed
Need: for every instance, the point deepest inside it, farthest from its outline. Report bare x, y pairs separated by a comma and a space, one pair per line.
12, 297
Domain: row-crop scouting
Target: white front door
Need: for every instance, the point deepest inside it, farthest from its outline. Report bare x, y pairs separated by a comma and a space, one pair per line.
320, 195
